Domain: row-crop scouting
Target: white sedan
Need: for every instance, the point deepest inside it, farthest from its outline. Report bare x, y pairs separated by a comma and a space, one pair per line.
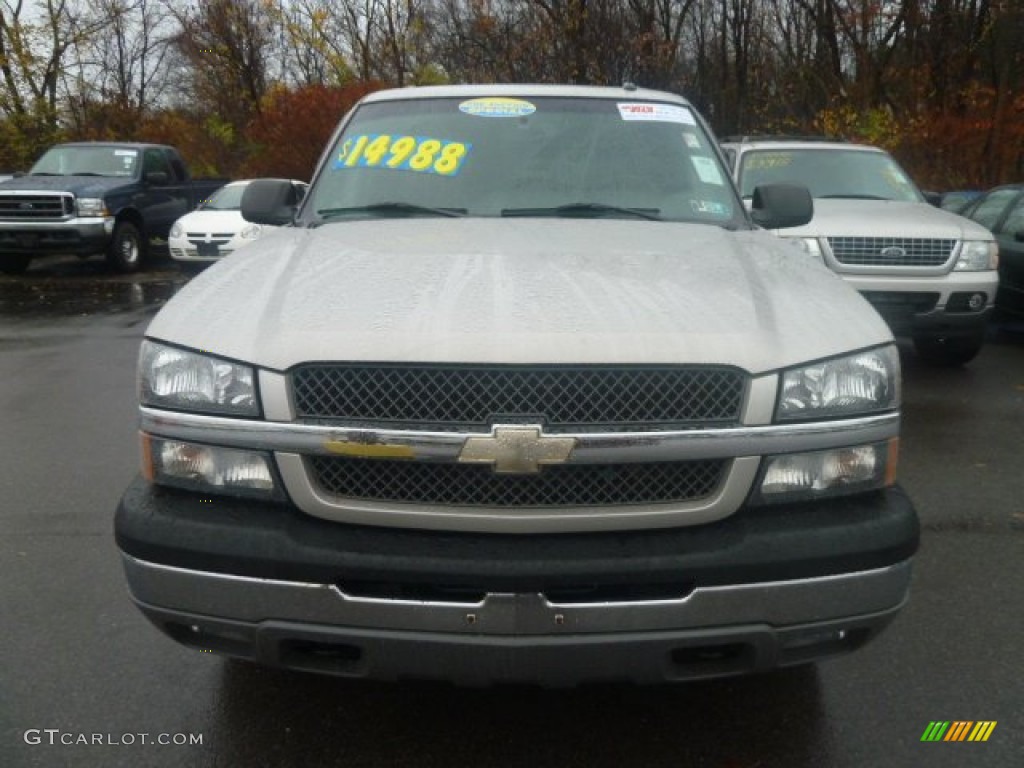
217, 228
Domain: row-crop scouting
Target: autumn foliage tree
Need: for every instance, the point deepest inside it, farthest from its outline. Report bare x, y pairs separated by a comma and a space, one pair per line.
938, 82
293, 125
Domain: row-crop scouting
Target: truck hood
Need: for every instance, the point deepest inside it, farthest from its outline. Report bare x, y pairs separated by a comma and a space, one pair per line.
836, 217
520, 291
80, 186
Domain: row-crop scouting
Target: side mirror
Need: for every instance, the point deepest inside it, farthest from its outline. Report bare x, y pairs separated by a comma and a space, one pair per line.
1019, 235
778, 206
935, 198
269, 201
19, 174
156, 177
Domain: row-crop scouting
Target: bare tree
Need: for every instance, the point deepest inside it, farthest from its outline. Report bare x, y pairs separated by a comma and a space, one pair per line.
313, 47
35, 43
123, 72
228, 44
33, 52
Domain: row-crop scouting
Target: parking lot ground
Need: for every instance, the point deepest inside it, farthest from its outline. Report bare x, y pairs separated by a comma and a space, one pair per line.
78, 660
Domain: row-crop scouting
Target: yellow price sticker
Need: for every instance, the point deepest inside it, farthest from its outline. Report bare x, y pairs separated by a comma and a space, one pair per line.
402, 153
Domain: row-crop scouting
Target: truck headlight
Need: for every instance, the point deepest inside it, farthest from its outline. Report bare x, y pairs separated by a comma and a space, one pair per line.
854, 469
188, 381
977, 256
91, 206
176, 229
863, 383
208, 468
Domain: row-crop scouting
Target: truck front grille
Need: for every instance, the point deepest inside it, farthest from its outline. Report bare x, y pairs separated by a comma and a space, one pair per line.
473, 398
891, 251
36, 206
563, 485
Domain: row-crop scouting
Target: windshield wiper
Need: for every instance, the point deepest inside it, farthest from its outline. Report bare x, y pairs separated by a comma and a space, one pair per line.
391, 208
585, 208
853, 197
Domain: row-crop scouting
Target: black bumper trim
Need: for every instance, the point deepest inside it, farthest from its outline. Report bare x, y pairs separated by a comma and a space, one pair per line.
550, 661
941, 324
245, 538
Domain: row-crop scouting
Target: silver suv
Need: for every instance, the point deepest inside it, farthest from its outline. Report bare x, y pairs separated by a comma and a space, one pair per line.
930, 273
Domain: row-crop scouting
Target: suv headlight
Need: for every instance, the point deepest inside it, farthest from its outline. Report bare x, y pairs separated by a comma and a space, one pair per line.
863, 383
91, 206
808, 245
189, 381
176, 229
977, 256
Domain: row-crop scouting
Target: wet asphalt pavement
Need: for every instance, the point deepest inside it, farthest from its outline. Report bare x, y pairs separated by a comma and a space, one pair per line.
79, 663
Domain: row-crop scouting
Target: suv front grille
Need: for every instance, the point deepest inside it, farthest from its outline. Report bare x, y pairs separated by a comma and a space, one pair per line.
34, 206
560, 398
891, 251
563, 485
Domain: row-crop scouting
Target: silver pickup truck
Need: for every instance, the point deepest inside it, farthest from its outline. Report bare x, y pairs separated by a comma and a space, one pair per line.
523, 393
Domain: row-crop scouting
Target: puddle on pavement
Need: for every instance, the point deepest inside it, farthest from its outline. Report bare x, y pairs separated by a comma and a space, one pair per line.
66, 286
73, 297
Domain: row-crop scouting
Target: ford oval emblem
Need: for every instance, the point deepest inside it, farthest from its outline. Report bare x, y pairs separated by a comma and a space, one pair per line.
893, 252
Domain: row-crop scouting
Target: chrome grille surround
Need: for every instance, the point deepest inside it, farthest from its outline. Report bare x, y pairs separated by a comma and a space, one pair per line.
294, 444
903, 251
36, 206
474, 397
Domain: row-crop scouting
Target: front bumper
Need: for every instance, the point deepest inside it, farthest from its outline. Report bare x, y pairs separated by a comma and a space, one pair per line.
762, 588
933, 307
83, 236
185, 250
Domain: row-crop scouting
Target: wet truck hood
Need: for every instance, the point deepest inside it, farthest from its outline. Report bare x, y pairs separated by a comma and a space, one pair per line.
839, 217
520, 291
80, 186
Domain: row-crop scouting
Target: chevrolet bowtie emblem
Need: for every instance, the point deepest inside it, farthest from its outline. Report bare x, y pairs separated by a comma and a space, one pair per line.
517, 450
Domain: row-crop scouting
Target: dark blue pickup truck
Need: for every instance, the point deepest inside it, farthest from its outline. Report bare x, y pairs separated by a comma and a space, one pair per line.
96, 198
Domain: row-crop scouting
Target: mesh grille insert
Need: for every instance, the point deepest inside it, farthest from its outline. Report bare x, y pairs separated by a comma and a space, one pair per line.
475, 397
891, 251
479, 486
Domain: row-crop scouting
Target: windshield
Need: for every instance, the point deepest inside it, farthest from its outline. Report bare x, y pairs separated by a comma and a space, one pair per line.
831, 172
545, 156
227, 198
87, 161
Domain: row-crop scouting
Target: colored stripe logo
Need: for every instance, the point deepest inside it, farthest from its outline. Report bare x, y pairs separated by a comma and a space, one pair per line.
958, 730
